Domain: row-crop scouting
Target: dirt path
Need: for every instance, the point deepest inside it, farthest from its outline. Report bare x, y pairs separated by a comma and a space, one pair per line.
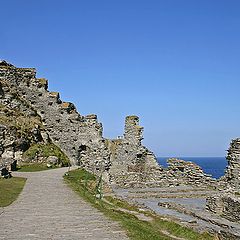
48, 209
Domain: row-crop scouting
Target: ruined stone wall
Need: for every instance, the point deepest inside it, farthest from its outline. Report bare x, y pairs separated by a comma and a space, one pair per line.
78, 136
19, 125
226, 205
232, 175
131, 163
184, 172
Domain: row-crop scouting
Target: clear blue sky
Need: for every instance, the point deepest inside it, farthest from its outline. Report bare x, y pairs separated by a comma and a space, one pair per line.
175, 63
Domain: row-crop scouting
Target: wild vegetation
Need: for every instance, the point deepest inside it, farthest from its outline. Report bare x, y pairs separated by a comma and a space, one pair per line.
154, 227
34, 167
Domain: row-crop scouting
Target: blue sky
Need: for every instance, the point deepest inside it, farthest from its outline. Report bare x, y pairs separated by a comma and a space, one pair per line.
174, 63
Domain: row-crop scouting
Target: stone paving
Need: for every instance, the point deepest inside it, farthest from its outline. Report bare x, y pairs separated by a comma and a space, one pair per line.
48, 209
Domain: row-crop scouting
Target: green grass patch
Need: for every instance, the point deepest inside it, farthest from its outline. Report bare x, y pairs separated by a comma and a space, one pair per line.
46, 150
34, 167
10, 189
85, 184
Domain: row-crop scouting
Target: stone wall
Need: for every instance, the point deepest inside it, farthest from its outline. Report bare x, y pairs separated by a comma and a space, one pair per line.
185, 172
133, 133
131, 163
232, 175
226, 205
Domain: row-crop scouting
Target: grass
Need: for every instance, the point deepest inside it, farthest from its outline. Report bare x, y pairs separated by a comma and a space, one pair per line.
10, 189
85, 184
34, 167
46, 150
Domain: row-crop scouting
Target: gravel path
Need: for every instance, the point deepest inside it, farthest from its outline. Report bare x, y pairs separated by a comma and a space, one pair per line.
48, 209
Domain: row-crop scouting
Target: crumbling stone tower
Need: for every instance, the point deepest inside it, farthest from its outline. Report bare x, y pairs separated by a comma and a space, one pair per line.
132, 164
133, 132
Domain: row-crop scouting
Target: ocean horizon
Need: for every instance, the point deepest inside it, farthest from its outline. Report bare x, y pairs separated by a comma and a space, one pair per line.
214, 166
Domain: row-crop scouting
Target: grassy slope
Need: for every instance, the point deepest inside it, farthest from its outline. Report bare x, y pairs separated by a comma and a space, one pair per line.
158, 229
10, 189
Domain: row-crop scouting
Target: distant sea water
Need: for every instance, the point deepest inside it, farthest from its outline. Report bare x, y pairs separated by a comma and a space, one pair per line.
211, 165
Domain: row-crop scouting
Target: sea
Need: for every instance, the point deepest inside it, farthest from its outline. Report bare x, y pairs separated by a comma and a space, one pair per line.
215, 166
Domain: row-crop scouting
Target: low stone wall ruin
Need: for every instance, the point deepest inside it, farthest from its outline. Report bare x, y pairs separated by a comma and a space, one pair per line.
226, 205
